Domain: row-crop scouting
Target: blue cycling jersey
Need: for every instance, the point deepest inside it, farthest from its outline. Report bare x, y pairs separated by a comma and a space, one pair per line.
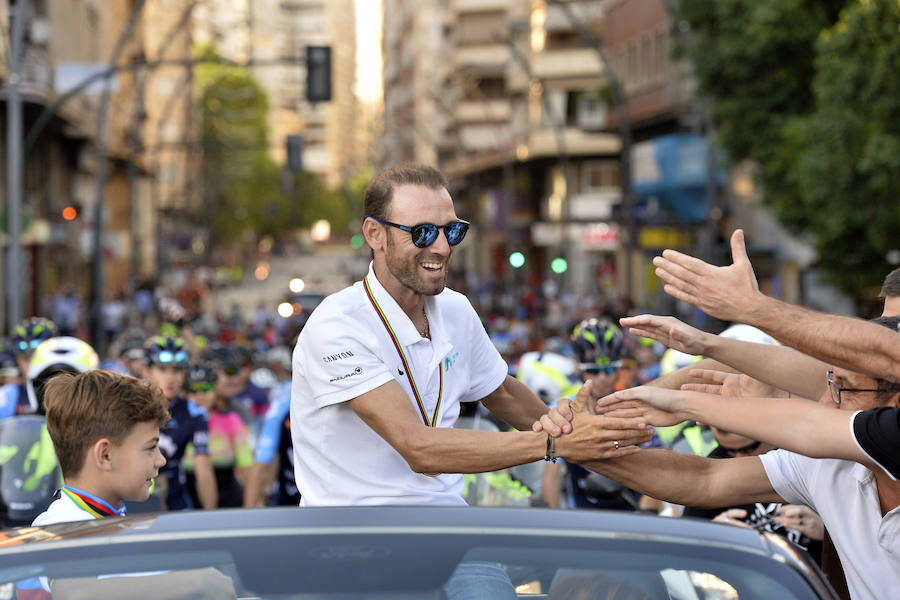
270, 434
14, 400
189, 425
275, 440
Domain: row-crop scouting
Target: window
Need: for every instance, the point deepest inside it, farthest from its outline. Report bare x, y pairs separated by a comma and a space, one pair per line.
599, 174
647, 71
662, 53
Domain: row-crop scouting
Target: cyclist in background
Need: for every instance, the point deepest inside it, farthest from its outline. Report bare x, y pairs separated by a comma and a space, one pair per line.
274, 441
599, 348
167, 361
14, 398
229, 449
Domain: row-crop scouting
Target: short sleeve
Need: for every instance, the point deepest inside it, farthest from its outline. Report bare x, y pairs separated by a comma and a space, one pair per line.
877, 433
337, 356
787, 474
488, 369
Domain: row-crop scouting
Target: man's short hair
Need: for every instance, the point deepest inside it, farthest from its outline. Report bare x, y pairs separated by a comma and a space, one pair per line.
888, 386
90, 406
381, 189
891, 287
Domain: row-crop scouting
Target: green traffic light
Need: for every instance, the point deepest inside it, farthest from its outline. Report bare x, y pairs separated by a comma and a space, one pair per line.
516, 259
559, 265
357, 240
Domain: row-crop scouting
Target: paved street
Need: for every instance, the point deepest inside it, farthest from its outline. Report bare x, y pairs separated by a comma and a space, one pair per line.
328, 269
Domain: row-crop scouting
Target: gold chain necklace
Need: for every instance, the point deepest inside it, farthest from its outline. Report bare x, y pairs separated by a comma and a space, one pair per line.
426, 331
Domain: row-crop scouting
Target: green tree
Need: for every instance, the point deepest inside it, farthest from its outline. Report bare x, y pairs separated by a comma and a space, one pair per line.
807, 90
244, 189
848, 148
239, 179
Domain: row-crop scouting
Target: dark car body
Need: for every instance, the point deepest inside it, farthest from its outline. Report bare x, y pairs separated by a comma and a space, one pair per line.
410, 552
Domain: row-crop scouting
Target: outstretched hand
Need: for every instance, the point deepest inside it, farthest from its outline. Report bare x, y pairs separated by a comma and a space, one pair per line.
589, 436
669, 331
729, 384
726, 293
657, 406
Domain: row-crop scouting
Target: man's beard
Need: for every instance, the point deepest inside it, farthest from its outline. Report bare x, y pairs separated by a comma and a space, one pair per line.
406, 272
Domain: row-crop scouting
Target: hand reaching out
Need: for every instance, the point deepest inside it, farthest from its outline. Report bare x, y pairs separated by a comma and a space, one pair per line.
657, 406
728, 293
729, 384
669, 331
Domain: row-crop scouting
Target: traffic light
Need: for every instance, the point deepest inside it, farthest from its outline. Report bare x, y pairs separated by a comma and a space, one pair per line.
294, 145
517, 260
70, 212
559, 265
318, 73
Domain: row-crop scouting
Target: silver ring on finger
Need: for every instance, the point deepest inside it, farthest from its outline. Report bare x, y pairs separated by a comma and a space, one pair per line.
616, 445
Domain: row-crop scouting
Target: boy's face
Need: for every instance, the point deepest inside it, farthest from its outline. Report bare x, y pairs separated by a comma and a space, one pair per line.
135, 463
168, 378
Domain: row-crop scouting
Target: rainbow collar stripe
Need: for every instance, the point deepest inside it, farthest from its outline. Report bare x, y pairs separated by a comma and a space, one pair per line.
409, 376
91, 504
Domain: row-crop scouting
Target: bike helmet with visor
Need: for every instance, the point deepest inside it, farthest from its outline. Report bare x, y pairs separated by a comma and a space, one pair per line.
201, 378
598, 345
167, 351
31, 333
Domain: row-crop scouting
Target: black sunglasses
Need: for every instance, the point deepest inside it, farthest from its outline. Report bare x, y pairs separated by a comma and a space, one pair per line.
425, 234
595, 369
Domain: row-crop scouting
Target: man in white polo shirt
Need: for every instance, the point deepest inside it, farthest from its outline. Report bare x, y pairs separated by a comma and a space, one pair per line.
381, 367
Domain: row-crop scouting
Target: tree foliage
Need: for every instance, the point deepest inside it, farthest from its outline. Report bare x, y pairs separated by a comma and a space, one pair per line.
808, 90
246, 192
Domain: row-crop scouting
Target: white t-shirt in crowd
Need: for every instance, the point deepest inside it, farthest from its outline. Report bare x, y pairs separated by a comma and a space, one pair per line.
344, 351
845, 495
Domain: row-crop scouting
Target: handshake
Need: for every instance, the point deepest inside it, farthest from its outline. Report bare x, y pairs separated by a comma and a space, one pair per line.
581, 434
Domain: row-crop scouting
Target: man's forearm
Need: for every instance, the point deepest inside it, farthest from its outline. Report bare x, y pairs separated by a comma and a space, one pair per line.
670, 476
684, 478
803, 427
675, 379
442, 450
785, 368
844, 341
515, 404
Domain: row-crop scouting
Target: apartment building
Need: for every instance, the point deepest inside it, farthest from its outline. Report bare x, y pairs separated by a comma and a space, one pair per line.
66, 43
274, 35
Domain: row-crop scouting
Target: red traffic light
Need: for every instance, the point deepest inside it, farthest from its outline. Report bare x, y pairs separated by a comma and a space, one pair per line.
69, 213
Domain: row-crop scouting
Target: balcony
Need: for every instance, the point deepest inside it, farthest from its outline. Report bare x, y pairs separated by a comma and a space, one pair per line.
479, 138
543, 142
472, 6
481, 111
490, 56
569, 63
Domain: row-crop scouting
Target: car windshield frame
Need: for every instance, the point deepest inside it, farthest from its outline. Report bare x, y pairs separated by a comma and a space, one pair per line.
395, 560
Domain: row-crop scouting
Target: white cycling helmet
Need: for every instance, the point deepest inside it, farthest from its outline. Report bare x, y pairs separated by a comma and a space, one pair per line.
548, 374
747, 333
57, 355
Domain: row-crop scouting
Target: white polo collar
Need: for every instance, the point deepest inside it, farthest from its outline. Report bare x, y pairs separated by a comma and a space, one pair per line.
399, 321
